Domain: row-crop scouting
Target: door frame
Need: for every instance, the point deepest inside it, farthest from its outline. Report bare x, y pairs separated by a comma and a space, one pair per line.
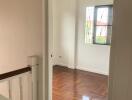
49, 48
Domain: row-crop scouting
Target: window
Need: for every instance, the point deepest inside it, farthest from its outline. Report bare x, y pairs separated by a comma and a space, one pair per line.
98, 26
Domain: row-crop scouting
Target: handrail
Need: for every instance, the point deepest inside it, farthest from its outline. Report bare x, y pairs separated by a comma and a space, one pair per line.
32, 67
14, 73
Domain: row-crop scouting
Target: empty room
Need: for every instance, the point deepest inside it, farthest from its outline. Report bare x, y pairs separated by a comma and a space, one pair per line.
80, 48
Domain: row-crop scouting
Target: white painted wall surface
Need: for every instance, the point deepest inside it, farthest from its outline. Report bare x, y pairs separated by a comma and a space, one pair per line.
20, 34
94, 58
64, 32
91, 57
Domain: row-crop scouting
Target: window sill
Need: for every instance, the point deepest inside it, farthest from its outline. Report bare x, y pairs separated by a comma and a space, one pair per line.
95, 44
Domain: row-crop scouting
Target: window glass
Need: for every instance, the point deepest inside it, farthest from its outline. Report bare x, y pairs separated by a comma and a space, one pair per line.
102, 16
109, 34
101, 34
89, 24
98, 25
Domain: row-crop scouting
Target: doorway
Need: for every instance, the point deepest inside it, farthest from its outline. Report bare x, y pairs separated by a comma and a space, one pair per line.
64, 53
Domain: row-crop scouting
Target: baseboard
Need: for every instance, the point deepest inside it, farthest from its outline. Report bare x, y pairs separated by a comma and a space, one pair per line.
93, 70
83, 69
64, 65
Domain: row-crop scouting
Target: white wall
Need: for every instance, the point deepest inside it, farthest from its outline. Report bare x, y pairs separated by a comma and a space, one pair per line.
20, 33
94, 58
91, 57
64, 31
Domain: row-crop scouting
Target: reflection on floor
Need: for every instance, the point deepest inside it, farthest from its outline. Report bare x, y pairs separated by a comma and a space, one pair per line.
71, 84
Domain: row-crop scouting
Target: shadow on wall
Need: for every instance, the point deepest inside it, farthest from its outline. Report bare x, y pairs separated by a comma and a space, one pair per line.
3, 98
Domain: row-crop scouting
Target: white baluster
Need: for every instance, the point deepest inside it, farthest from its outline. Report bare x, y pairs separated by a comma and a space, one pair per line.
21, 88
33, 62
10, 89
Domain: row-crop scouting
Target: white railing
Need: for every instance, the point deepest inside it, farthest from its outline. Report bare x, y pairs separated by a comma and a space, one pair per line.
20, 84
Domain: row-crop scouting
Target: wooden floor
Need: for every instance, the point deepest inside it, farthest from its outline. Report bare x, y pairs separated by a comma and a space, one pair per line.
71, 84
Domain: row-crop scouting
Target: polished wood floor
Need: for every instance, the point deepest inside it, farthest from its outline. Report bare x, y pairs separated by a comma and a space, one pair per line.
71, 84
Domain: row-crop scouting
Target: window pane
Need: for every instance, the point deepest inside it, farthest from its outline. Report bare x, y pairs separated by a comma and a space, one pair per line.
89, 24
110, 15
102, 16
101, 35
109, 34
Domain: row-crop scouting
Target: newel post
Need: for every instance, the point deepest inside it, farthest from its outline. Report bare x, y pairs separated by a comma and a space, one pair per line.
33, 63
